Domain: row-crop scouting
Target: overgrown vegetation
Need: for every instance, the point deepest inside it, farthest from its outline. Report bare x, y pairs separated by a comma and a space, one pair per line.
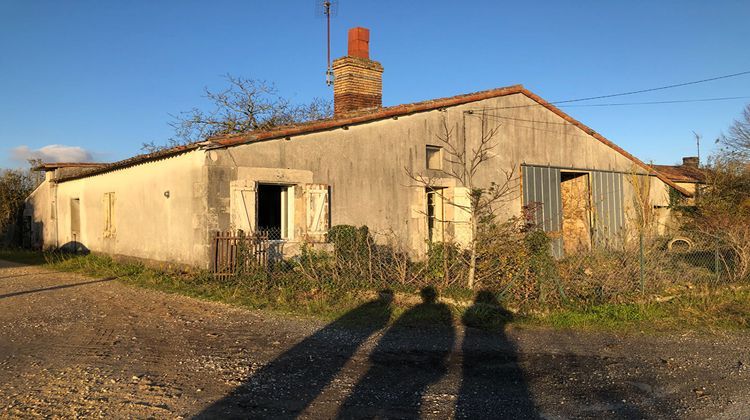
702, 307
15, 186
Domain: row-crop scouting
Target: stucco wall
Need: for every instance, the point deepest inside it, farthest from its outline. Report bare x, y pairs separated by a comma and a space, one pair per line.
147, 223
366, 165
40, 208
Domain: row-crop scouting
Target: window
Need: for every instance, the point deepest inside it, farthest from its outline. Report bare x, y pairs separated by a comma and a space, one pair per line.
434, 157
274, 210
109, 214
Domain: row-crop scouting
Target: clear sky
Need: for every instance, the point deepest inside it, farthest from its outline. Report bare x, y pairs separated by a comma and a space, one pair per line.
95, 79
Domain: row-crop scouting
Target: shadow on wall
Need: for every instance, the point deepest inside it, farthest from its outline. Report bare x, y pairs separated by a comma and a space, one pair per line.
288, 384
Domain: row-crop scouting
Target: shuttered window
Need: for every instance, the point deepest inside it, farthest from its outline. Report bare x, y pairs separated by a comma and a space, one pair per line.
109, 214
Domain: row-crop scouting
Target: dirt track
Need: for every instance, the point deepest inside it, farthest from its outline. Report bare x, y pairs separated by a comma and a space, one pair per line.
77, 346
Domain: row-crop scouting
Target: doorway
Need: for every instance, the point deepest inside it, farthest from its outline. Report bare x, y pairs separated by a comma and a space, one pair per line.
576, 211
435, 215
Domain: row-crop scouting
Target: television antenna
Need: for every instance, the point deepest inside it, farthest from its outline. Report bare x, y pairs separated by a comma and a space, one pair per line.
329, 8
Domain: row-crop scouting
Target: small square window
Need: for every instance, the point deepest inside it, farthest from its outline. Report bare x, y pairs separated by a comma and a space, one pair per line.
434, 157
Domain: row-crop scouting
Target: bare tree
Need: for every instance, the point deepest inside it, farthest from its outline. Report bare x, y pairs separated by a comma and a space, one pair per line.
245, 105
15, 186
736, 143
464, 159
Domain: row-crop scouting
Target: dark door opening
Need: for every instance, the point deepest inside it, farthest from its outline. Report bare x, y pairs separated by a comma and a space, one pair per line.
270, 210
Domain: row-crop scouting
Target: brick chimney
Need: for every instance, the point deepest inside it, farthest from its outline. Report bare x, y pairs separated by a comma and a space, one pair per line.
691, 161
357, 80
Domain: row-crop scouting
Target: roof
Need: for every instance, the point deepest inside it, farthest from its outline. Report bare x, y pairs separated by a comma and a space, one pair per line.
682, 173
371, 116
51, 166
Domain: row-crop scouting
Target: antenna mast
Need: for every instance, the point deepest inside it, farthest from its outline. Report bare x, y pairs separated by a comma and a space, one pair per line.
327, 11
698, 144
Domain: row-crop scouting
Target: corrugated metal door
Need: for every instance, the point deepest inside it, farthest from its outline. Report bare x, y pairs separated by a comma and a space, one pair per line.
609, 214
541, 191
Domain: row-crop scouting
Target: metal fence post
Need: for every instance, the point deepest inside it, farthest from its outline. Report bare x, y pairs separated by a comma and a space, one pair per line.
717, 263
643, 274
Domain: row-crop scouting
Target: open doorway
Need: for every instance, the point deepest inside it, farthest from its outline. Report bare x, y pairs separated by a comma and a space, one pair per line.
576, 211
273, 211
435, 215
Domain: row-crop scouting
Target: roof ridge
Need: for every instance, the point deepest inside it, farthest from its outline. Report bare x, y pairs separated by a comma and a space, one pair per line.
375, 114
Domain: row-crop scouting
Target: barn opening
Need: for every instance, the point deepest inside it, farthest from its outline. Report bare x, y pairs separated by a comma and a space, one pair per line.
273, 210
575, 194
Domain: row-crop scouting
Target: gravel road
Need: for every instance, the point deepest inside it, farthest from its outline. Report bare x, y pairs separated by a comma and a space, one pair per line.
74, 346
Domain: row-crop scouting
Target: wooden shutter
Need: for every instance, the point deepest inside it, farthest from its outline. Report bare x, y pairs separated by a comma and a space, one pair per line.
242, 206
459, 200
317, 212
108, 204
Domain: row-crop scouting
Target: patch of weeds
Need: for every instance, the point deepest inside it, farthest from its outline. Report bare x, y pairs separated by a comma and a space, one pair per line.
605, 316
22, 256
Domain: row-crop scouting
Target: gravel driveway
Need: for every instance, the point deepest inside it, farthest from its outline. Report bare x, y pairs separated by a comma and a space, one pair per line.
73, 346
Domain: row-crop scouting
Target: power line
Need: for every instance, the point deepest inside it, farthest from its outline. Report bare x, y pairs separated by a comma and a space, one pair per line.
695, 82
678, 101
634, 92
492, 115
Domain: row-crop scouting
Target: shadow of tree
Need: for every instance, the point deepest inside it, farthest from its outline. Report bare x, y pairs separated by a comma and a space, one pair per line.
288, 384
493, 384
396, 380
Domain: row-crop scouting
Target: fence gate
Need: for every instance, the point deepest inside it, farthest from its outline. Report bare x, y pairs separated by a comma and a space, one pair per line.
235, 251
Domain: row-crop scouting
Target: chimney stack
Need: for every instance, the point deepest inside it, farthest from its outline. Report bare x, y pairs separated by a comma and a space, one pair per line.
691, 161
357, 80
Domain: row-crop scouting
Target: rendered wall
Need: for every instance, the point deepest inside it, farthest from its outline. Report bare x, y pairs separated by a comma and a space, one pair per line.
147, 223
366, 165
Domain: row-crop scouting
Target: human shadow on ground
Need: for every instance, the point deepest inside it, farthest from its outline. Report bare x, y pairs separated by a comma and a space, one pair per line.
58, 287
397, 379
291, 382
493, 384
496, 377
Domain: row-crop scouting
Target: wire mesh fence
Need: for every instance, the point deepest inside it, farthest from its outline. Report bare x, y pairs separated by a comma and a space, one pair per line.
512, 261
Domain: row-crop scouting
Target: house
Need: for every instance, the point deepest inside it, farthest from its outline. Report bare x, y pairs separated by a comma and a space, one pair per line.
297, 181
690, 177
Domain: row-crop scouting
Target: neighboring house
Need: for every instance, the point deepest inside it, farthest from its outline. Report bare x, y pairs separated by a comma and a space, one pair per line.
688, 176
297, 181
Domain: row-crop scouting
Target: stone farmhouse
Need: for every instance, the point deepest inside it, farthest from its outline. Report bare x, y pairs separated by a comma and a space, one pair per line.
353, 169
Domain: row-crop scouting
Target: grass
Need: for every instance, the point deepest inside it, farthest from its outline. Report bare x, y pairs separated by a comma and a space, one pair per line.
701, 309
22, 256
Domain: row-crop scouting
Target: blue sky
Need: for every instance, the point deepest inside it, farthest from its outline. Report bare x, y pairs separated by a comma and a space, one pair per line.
96, 79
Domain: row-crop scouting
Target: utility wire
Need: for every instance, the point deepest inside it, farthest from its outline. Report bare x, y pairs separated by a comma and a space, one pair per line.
695, 82
492, 115
634, 92
678, 101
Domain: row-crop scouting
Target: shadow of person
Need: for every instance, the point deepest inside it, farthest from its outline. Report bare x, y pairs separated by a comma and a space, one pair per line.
493, 384
402, 366
288, 384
